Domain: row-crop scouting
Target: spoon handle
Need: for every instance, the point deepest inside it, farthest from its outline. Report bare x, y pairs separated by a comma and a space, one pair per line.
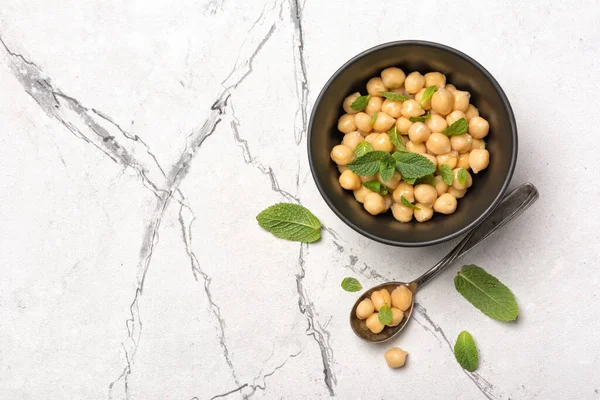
511, 206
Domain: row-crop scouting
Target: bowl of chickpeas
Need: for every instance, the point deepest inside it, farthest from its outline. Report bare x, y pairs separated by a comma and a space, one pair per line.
412, 143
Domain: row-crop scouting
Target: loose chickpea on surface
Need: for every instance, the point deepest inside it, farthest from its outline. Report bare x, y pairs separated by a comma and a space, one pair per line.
350, 181
419, 132
393, 77
364, 309
411, 108
406, 190
395, 357
374, 203
442, 101
445, 204
436, 123
461, 100
374, 324
450, 158
424, 214
438, 143
348, 102
342, 154
382, 143
361, 193
414, 82
419, 97
380, 298
392, 108
374, 105
346, 123
383, 123
454, 116
402, 298
440, 185
416, 147
375, 86
402, 213
363, 122
397, 316
461, 143
471, 112
435, 79
403, 124
463, 161
459, 194
352, 139
479, 159
425, 194
478, 127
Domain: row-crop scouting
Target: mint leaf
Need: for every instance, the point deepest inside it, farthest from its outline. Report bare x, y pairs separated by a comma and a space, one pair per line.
486, 293
422, 118
396, 139
410, 181
407, 203
385, 315
362, 148
369, 163
351, 285
360, 103
427, 94
374, 118
461, 176
458, 127
376, 186
291, 222
394, 96
413, 165
465, 351
427, 180
446, 173
386, 169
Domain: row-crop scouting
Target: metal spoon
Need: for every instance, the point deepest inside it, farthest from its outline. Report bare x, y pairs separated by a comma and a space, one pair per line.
512, 206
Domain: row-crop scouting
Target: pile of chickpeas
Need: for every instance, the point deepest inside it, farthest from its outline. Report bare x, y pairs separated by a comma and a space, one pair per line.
447, 105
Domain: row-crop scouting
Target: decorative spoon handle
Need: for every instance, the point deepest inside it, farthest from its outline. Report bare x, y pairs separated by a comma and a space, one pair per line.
511, 206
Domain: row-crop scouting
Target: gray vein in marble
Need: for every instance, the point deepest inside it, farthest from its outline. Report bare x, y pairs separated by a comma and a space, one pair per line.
302, 90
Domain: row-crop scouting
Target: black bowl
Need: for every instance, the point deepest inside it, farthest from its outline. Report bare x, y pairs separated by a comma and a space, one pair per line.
463, 72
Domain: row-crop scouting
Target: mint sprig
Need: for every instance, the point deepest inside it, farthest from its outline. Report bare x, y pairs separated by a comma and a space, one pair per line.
362, 148
291, 222
373, 118
394, 96
422, 118
407, 203
461, 176
427, 180
396, 139
458, 127
385, 315
370, 163
350, 284
427, 94
360, 103
446, 174
413, 165
410, 181
377, 187
465, 351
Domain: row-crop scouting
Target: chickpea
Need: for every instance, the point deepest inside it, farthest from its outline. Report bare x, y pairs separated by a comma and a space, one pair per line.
395, 357
461, 143
371, 137
342, 154
375, 86
478, 127
361, 193
364, 179
425, 194
424, 214
431, 158
348, 102
402, 297
364, 309
435, 78
402, 213
436, 123
380, 298
438, 143
478, 144
471, 112
382, 143
374, 324
440, 186
451, 88
393, 77
403, 125
442, 101
363, 122
414, 82
388, 200
416, 147
411, 108
459, 194
374, 105
392, 108
352, 139
461, 100
457, 185
455, 116
401, 91
383, 123
418, 132
349, 180
397, 316
445, 204
463, 161
450, 159
419, 98
392, 183
374, 203
479, 159
346, 123
342, 168
406, 190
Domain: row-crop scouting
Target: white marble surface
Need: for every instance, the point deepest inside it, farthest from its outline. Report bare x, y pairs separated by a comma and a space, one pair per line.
139, 140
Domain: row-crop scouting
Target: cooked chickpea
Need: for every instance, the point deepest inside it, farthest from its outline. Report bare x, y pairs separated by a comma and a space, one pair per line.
445, 204
471, 112
371, 137
348, 102
424, 213
364, 309
479, 159
403, 124
364, 179
416, 147
382, 143
352, 139
363, 122
478, 127
374, 105
461, 143
346, 123
461, 100
388, 200
374, 203
436, 123
451, 88
419, 98
425, 194
463, 161
438, 143
361, 193
454, 116
393, 183
374, 324
393, 77
380, 298
459, 194
342, 154
414, 82
395, 357
431, 158
435, 79
406, 190
442, 101
397, 316
349, 180
440, 185
402, 298
418, 132
392, 108
401, 91
383, 123
411, 108
342, 168
459, 186
402, 213
478, 144
375, 86
450, 159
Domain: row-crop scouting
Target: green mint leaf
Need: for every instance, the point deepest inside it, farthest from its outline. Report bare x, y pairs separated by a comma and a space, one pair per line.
291, 222
413, 165
369, 164
373, 118
465, 351
461, 176
351, 285
360, 103
410, 181
428, 94
458, 127
386, 170
486, 293
385, 315
396, 139
376, 186
422, 118
394, 96
407, 203
362, 148
446, 173
427, 180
